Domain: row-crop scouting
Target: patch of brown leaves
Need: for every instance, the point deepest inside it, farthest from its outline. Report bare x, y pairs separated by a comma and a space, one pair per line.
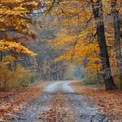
57, 112
11, 102
108, 102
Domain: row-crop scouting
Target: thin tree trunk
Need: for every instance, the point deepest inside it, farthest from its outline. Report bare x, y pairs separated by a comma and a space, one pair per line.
97, 12
115, 17
1, 56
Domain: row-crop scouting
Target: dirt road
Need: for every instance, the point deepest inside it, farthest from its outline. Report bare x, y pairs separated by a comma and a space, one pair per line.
59, 103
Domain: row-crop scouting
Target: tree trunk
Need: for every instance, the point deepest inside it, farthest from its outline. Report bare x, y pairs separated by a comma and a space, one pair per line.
98, 16
1, 55
115, 17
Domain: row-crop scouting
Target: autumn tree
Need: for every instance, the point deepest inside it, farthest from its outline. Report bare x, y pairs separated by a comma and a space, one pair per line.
117, 44
15, 24
15, 30
97, 12
76, 15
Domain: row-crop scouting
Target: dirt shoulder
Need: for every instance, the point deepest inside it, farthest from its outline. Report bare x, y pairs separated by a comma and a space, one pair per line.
107, 102
14, 101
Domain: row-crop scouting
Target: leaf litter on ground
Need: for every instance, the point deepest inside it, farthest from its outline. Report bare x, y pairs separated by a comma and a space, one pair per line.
107, 102
13, 101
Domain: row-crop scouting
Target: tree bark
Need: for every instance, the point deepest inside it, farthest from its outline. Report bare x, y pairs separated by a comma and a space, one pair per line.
115, 17
98, 16
1, 55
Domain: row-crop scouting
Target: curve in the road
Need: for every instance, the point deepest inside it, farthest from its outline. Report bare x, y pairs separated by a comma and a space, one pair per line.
59, 86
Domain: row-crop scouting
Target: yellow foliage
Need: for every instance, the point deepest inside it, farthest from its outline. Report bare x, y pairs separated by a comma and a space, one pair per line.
8, 77
74, 35
15, 47
14, 17
9, 59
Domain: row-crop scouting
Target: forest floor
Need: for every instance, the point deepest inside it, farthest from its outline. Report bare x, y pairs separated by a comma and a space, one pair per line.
57, 102
107, 102
14, 101
60, 102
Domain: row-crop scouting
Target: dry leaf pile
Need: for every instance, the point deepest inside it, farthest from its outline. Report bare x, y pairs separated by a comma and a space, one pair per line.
108, 102
57, 112
11, 102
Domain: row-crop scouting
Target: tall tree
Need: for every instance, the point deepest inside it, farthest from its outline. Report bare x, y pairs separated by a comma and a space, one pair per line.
98, 16
115, 16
